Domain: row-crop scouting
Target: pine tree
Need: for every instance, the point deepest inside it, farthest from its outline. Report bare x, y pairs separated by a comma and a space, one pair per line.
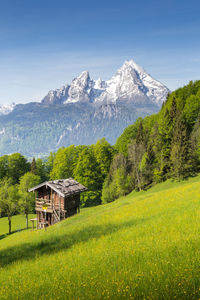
149, 165
173, 110
140, 137
165, 138
135, 155
181, 156
34, 167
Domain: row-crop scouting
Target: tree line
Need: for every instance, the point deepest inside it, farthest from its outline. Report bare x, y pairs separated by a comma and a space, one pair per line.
88, 165
161, 146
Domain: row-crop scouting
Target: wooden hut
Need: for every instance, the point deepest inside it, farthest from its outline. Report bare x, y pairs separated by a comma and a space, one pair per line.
56, 200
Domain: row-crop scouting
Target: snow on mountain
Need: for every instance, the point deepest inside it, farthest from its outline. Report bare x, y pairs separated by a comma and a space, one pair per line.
155, 89
131, 83
80, 88
83, 112
6, 108
56, 97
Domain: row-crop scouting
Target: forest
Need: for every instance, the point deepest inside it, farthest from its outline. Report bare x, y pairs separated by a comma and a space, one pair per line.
158, 147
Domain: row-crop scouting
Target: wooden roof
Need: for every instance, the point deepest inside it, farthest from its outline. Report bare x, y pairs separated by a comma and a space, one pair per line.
63, 187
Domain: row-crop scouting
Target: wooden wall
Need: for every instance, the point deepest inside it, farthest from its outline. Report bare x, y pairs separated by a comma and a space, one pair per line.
69, 205
72, 203
47, 194
41, 218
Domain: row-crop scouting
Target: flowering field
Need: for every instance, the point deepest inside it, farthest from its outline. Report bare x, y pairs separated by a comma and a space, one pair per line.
143, 246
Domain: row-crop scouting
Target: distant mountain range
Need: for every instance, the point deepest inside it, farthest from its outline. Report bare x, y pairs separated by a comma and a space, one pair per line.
6, 108
80, 113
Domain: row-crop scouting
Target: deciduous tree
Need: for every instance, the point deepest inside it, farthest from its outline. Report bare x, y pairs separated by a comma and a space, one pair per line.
26, 199
8, 200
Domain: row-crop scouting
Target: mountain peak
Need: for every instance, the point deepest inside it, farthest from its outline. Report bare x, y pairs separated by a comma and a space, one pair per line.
84, 74
131, 64
130, 83
83, 79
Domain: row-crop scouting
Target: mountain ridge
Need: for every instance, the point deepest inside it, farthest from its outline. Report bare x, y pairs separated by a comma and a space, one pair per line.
131, 82
81, 113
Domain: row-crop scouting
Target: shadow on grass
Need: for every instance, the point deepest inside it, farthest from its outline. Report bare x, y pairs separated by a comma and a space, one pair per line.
52, 244
7, 234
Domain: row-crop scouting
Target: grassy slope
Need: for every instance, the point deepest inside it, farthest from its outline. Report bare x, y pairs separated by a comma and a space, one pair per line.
18, 223
145, 245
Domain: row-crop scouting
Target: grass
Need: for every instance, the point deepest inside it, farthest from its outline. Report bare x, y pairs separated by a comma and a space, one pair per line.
143, 246
18, 224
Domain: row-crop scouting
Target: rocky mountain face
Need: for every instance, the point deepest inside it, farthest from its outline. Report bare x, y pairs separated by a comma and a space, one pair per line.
82, 112
130, 84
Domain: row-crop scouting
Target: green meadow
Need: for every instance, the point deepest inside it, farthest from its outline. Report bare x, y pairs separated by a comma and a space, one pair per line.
143, 246
18, 224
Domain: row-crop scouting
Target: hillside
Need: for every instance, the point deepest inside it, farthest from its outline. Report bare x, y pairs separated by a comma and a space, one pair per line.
142, 246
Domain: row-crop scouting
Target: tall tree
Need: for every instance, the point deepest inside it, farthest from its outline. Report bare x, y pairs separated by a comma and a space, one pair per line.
88, 172
3, 166
17, 166
42, 170
33, 166
180, 154
104, 153
136, 150
195, 144
64, 162
8, 200
165, 138
49, 163
26, 199
147, 165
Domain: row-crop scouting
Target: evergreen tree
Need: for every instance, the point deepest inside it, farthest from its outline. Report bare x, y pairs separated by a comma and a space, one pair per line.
42, 170
3, 166
33, 166
181, 157
173, 110
49, 163
136, 150
165, 138
149, 165
140, 136
195, 144
118, 181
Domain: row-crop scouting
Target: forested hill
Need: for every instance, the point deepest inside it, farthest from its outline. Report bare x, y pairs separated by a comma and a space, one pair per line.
158, 147
153, 149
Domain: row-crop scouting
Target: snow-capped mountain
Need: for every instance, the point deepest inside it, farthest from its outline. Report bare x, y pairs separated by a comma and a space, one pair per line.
6, 108
56, 97
131, 83
80, 113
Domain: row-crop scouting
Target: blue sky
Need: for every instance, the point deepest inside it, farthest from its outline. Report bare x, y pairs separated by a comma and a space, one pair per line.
45, 44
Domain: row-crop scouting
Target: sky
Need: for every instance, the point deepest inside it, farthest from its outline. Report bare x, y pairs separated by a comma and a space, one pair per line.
44, 44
